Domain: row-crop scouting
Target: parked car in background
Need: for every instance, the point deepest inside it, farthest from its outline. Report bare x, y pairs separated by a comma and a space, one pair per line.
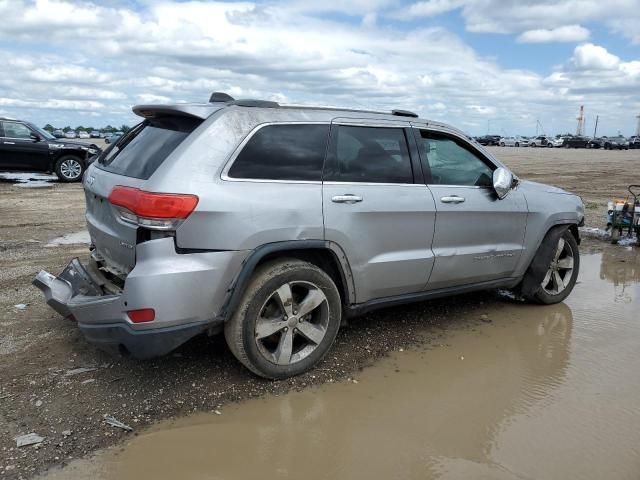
575, 142
112, 137
634, 141
27, 148
193, 229
595, 142
95, 134
488, 140
70, 134
615, 143
58, 133
83, 134
540, 141
514, 142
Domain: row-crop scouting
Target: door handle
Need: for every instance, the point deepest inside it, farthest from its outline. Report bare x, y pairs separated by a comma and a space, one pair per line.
452, 199
348, 198
9, 143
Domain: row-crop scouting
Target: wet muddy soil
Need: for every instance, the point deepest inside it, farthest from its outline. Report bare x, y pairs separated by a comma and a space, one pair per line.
532, 392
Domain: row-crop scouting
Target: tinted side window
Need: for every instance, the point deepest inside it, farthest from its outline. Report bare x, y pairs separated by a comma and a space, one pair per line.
451, 162
16, 130
283, 152
368, 154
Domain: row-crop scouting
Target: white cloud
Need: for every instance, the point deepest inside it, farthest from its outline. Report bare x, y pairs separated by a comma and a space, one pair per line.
567, 33
509, 16
172, 51
594, 57
429, 8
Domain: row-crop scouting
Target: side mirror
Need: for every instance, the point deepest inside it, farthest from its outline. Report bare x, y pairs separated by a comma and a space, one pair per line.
35, 137
502, 182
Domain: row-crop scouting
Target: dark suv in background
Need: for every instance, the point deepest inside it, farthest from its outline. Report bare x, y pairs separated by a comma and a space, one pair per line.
489, 140
27, 148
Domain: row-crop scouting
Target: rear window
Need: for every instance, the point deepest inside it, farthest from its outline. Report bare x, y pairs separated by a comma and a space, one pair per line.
283, 152
142, 150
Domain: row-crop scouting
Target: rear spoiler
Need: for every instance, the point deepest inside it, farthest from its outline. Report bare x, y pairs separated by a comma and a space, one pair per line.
201, 111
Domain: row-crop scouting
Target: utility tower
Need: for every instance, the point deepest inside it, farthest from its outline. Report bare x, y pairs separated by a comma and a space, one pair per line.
638, 126
580, 121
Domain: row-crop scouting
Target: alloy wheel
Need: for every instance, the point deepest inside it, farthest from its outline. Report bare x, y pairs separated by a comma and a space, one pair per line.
292, 323
560, 271
70, 169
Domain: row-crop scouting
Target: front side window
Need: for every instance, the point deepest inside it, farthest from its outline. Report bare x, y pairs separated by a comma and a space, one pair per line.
16, 130
293, 152
450, 162
368, 154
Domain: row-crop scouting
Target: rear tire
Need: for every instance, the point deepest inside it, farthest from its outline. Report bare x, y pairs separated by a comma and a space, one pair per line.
69, 169
287, 320
554, 271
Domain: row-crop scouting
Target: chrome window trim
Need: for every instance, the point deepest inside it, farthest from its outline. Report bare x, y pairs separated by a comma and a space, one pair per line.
225, 171
457, 186
333, 182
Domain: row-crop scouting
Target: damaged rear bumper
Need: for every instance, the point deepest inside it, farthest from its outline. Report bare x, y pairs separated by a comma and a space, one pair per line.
75, 293
185, 291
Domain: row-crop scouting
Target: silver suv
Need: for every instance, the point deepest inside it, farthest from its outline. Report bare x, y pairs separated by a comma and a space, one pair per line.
274, 223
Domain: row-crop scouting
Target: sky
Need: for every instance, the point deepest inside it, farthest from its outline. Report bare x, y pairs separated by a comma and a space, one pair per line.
485, 66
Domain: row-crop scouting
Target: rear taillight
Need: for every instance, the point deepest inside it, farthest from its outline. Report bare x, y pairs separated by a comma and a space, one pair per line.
159, 211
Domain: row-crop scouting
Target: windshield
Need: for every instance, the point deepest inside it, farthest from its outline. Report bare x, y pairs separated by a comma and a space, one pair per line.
145, 147
42, 132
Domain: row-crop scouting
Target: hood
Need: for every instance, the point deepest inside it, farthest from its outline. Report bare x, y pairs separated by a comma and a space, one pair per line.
529, 186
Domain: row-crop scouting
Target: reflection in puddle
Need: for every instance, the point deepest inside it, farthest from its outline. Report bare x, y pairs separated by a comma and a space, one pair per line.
28, 180
540, 392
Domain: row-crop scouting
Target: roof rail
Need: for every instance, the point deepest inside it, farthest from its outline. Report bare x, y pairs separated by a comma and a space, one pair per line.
249, 102
404, 113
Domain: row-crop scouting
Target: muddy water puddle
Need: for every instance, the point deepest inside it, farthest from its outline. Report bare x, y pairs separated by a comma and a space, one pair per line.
538, 392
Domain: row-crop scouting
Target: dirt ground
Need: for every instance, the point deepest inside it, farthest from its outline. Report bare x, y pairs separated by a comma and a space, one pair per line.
56, 385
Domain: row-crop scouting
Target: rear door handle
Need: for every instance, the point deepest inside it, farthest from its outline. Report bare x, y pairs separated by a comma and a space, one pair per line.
348, 198
452, 199
9, 143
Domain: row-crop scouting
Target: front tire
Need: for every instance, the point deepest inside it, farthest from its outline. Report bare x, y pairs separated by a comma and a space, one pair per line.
554, 272
69, 169
287, 320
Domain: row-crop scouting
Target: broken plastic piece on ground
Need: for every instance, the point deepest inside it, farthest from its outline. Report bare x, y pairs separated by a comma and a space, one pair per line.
117, 423
28, 439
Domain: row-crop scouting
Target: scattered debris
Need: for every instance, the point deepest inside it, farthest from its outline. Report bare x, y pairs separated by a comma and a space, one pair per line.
21, 306
461, 357
66, 433
77, 371
28, 439
217, 412
38, 403
117, 423
88, 380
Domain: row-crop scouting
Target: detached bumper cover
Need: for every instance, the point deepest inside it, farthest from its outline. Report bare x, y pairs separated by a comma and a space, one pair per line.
186, 292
